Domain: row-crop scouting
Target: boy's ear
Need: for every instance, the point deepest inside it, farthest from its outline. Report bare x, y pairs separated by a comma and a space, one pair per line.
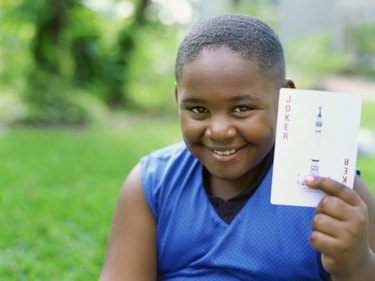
289, 84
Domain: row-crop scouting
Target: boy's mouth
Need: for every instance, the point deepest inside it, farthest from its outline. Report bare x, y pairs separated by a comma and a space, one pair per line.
224, 152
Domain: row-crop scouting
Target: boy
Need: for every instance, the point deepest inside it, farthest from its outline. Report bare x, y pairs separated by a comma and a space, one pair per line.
200, 210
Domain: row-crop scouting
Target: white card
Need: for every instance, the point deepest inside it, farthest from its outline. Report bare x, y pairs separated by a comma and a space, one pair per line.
316, 134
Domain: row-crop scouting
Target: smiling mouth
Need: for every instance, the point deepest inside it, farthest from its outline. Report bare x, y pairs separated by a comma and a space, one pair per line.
224, 152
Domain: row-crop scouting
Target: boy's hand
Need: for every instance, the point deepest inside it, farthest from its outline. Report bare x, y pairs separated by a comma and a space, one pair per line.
340, 228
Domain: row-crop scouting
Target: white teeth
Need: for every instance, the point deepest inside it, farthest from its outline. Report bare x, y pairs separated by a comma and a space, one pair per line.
225, 152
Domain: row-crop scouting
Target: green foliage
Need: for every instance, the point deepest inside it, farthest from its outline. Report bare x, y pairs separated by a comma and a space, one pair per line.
368, 114
49, 55
361, 42
50, 100
52, 51
36, 68
114, 60
308, 59
152, 72
12, 109
362, 38
15, 41
94, 49
263, 9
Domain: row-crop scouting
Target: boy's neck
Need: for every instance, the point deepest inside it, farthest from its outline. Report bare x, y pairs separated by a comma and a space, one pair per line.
227, 189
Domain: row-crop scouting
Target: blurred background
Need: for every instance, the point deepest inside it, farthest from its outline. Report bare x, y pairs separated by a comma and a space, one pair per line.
87, 87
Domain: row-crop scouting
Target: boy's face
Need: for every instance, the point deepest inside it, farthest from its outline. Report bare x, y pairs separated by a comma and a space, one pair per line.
227, 113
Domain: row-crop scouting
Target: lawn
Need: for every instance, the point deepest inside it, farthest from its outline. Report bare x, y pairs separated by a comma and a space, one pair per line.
59, 186
58, 190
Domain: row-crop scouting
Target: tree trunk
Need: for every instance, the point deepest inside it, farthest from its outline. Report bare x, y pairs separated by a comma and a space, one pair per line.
47, 40
127, 41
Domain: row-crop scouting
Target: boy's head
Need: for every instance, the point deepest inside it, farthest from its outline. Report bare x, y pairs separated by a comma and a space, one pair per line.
229, 70
246, 36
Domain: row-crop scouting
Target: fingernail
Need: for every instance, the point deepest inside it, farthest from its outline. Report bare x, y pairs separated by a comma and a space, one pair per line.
308, 179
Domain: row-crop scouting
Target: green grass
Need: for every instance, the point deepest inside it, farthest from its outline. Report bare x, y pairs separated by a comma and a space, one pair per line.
59, 187
58, 191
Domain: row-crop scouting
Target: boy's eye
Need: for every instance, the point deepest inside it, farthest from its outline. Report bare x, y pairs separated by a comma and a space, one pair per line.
199, 109
242, 108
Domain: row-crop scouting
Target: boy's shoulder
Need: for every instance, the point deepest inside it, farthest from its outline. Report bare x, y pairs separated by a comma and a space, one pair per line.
175, 158
168, 152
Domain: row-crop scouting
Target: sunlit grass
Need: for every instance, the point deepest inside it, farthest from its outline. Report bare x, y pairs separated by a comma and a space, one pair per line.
58, 192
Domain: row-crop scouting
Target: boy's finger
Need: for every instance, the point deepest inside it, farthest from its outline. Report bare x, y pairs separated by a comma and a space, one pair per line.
333, 188
327, 224
323, 243
334, 207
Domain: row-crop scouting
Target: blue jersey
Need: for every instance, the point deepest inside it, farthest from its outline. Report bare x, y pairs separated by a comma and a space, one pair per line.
263, 242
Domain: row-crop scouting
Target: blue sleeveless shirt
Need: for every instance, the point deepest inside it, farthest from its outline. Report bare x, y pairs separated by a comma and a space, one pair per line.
263, 242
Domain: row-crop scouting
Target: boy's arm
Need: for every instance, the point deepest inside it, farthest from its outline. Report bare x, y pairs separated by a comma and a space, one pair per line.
343, 230
131, 250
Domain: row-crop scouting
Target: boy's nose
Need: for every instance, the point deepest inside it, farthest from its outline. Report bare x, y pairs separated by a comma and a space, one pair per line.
220, 129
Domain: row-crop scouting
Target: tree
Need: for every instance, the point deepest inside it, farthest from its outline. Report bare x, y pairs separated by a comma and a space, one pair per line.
107, 71
127, 41
70, 49
46, 92
48, 44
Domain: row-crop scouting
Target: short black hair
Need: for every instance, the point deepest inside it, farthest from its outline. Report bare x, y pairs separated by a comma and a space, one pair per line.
245, 35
